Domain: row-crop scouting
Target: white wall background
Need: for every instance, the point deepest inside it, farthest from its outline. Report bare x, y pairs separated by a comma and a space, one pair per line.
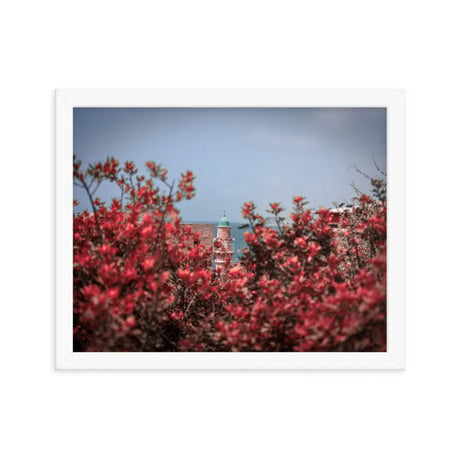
239, 44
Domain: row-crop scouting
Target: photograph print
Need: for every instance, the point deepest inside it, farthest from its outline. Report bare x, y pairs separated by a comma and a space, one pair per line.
229, 229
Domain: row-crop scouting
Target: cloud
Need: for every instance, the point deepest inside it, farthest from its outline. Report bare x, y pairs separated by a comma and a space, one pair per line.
277, 139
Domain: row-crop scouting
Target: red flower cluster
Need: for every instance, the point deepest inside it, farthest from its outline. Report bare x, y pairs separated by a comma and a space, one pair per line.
304, 288
141, 283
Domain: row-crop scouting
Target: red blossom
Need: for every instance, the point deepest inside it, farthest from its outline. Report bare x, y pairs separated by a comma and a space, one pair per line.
298, 199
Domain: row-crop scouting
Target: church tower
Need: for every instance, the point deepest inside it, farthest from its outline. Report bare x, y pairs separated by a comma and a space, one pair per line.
224, 236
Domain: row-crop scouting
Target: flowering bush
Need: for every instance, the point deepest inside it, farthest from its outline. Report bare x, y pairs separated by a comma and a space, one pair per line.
135, 266
309, 287
143, 282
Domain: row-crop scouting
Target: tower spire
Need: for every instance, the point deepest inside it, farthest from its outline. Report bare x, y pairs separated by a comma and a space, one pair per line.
224, 236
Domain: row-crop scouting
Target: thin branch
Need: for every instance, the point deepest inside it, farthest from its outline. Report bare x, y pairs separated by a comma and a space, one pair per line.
97, 186
85, 186
132, 187
360, 172
379, 169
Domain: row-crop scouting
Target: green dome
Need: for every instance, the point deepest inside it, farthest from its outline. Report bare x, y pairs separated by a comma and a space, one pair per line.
223, 222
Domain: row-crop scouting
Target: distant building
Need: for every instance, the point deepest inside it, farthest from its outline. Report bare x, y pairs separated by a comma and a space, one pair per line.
206, 236
226, 249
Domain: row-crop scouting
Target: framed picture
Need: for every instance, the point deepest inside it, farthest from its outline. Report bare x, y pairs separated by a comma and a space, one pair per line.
230, 229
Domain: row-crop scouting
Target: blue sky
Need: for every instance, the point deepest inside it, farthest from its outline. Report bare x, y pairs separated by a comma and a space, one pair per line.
238, 155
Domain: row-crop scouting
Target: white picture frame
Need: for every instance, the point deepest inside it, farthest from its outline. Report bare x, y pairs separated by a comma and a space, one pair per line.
393, 100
